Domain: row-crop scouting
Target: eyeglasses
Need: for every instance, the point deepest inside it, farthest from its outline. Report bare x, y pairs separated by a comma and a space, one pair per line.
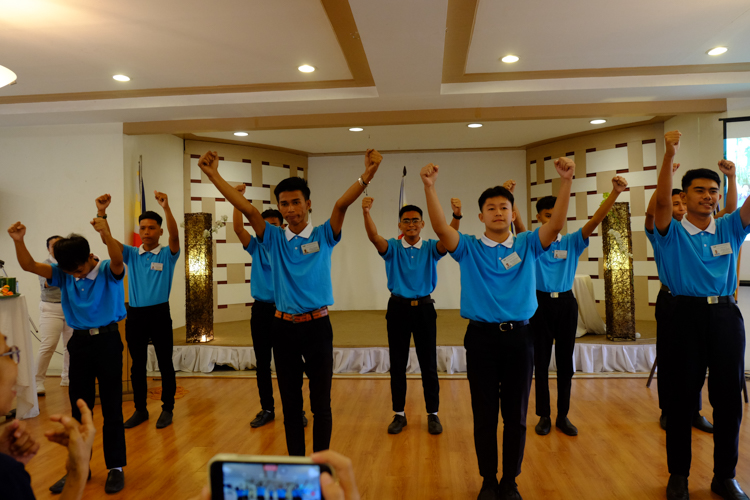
410, 221
14, 353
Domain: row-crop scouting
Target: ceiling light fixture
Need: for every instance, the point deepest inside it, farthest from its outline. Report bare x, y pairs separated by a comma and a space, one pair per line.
306, 68
241, 134
597, 122
717, 51
510, 59
356, 129
7, 77
121, 78
474, 125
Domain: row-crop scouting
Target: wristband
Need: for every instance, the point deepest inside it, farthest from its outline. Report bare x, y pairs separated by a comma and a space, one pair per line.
101, 216
458, 217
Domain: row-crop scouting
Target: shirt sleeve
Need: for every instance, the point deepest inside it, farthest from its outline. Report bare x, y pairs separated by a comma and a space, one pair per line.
736, 229
328, 234
579, 244
662, 239
269, 236
252, 245
173, 256
58, 277
460, 250
436, 255
389, 252
534, 243
104, 268
127, 253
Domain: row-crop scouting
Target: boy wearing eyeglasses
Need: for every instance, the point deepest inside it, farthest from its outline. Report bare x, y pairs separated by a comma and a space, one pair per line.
411, 266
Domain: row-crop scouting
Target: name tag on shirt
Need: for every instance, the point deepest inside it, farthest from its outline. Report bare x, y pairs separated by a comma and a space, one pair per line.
511, 260
309, 248
561, 254
157, 266
722, 249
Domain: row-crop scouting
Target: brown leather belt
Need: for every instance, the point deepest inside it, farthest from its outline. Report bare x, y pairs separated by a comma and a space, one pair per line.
304, 317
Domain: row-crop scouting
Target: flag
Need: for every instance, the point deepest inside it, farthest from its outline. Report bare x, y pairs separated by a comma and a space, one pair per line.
140, 203
402, 197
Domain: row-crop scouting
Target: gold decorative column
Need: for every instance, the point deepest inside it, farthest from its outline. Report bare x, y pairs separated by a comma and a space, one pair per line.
199, 286
617, 239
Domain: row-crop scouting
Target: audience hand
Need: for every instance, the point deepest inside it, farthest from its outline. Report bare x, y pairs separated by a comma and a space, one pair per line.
16, 442
78, 438
346, 487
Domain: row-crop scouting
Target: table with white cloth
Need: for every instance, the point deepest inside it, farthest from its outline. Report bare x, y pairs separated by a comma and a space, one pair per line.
14, 324
589, 320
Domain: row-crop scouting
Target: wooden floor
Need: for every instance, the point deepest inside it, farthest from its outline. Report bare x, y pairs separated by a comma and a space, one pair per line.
619, 453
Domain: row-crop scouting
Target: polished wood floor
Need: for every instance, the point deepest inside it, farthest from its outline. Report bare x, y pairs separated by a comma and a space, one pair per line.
619, 453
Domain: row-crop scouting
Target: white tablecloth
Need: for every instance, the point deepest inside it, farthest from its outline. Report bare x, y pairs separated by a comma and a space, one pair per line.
14, 324
589, 320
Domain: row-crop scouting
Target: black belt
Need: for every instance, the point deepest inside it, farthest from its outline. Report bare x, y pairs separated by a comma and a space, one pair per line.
414, 302
112, 327
715, 299
556, 295
503, 327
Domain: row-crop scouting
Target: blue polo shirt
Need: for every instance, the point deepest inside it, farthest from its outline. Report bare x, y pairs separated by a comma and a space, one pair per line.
689, 264
491, 293
91, 302
411, 270
301, 267
657, 254
261, 281
150, 274
556, 268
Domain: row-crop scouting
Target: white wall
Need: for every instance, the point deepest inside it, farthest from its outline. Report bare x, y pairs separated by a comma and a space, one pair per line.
358, 272
50, 178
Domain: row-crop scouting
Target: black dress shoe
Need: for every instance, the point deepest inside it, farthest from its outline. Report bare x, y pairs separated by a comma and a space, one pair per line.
677, 488
728, 489
663, 421
700, 423
137, 419
262, 418
489, 489
508, 491
304, 419
58, 486
433, 424
544, 426
165, 419
115, 481
398, 424
565, 426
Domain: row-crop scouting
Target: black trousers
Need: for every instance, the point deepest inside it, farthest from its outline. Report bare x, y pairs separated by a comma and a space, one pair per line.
99, 358
151, 323
313, 341
261, 323
555, 321
704, 336
403, 320
499, 366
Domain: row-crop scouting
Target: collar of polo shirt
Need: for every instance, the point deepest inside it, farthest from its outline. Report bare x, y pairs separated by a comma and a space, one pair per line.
692, 230
508, 243
155, 251
304, 234
94, 272
559, 238
417, 245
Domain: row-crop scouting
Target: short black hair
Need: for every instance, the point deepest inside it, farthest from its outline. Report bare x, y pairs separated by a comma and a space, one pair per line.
409, 208
55, 237
545, 203
292, 184
150, 215
676, 191
71, 252
494, 193
267, 214
699, 173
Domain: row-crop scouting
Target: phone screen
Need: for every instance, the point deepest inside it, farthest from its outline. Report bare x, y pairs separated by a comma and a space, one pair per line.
268, 481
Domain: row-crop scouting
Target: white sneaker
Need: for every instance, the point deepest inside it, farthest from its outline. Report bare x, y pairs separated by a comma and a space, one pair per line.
65, 382
40, 390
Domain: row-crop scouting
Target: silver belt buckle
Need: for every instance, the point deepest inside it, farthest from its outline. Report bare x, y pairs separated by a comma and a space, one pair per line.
93, 331
713, 299
554, 295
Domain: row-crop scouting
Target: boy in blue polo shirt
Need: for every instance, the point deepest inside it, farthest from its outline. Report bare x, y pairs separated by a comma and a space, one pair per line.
556, 319
498, 297
699, 265
150, 273
93, 300
411, 266
301, 271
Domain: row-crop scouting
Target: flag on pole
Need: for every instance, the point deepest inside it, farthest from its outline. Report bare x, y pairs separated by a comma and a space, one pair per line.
140, 203
402, 197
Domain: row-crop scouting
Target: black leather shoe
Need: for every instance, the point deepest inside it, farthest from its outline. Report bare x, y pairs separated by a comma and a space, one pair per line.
137, 419
262, 418
489, 490
58, 486
165, 419
115, 481
728, 489
544, 426
398, 424
433, 424
663, 421
304, 419
700, 423
565, 426
677, 488
508, 491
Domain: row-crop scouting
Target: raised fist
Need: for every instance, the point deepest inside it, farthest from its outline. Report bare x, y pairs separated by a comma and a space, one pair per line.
456, 206
675, 166
565, 167
672, 142
619, 184
161, 199
100, 226
372, 160
510, 185
103, 202
367, 204
727, 168
429, 174
17, 231
209, 162
241, 188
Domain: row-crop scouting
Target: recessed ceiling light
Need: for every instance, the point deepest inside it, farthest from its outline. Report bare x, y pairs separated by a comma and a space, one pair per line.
717, 51
474, 125
597, 122
510, 59
121, 78
7, 77
356, 129
306, 68
241, 134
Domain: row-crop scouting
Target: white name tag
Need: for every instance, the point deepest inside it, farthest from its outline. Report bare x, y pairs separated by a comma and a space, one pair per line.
511, 260
722, 249
561, 254
157, 266
309, 248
